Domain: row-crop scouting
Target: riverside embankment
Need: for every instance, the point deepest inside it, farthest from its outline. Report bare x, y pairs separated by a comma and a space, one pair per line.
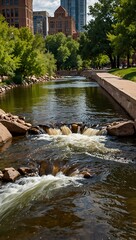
123, 91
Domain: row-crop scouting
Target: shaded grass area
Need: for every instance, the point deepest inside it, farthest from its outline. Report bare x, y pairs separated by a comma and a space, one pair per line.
126, 73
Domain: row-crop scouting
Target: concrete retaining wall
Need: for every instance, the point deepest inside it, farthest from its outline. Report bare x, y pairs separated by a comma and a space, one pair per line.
123, 91
120, 90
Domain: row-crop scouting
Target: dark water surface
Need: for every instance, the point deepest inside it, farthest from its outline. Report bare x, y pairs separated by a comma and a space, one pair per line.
65, 207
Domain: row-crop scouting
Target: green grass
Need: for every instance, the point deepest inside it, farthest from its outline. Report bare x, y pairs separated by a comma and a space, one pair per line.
126, 73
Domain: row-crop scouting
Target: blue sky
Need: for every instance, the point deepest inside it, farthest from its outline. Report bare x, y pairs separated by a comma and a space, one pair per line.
51, 5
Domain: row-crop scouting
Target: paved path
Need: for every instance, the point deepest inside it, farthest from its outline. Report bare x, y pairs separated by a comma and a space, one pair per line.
123, 91
123, 85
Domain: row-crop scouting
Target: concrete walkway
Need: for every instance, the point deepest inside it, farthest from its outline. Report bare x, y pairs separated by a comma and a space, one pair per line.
123, 91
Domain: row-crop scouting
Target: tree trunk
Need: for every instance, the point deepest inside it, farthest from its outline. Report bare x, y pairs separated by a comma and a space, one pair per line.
112, 61
118, 61
128, 60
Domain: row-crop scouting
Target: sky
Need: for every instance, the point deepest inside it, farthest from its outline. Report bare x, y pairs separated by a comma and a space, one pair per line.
51, 5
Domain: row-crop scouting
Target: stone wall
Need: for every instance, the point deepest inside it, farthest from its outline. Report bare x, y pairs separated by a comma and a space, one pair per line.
120, 94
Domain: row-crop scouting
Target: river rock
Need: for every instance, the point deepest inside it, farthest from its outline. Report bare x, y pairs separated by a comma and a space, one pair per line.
4, 134
15, 128
2, 112
26, 171
121, 129
34, 130
86, 174
45, 168
10, 174
74, 128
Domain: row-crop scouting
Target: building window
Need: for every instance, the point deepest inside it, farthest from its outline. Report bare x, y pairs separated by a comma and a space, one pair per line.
12, 12
7, 2
7, 13
3, 12
16, 12
52, 25
16, 2
59, 24
11, 2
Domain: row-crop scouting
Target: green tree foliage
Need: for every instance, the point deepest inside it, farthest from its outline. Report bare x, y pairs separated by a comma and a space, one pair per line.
8, 62
22, 54
102, 19
65, 50
123, 38
50, 64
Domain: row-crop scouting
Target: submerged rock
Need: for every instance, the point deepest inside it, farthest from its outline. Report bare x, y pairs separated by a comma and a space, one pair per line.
74, 128
45, 168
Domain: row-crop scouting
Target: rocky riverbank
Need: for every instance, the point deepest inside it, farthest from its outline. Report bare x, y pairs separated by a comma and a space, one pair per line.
26, 82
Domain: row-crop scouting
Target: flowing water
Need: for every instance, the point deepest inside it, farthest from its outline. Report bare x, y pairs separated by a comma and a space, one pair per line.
68, 206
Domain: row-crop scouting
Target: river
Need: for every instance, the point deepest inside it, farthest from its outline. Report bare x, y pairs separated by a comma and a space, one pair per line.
68, 207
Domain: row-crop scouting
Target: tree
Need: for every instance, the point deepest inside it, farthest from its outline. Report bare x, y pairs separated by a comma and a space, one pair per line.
63, 54
8, 62
123, 38
50, 64
100, 25
31, 51
65, 50
74, 60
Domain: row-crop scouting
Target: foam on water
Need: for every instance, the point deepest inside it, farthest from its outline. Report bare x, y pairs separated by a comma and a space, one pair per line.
15, 196
78, 142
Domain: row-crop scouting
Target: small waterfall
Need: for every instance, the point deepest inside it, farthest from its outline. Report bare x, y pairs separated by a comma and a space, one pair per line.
65, 130
91, 132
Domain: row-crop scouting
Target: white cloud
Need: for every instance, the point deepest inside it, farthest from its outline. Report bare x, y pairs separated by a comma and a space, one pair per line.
51, 5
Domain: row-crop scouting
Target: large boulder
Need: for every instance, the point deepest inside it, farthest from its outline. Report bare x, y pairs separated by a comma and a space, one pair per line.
121, 129
4, 134
2, 112
10, 174
15, 128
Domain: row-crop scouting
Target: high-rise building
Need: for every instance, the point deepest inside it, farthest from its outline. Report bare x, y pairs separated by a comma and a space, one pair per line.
78, 10
18, 13
40, 19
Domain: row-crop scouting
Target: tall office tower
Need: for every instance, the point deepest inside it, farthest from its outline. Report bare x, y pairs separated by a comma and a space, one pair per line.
18, 13
40, 19
78, 10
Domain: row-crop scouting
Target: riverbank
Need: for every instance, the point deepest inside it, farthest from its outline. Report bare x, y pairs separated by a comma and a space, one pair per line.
123, 91
29, 81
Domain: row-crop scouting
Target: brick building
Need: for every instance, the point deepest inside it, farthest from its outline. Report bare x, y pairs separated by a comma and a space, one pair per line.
18, 13
61, 22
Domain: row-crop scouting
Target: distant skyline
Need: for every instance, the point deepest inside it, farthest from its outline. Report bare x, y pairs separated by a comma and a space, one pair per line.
51, 5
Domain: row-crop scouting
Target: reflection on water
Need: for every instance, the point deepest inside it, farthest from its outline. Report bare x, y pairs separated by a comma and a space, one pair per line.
64, 207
